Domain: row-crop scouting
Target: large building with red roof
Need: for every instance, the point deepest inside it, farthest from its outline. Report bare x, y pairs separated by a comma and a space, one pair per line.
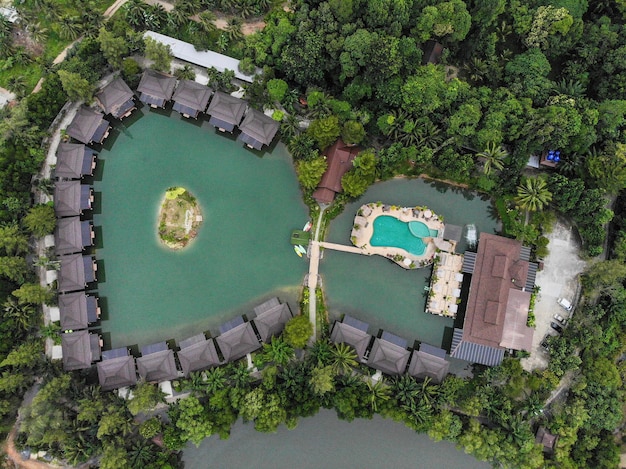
339, 158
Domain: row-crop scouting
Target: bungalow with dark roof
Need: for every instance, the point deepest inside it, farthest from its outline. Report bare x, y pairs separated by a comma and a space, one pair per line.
546, 439
80, 348
74, 160
191, 98
498, 302
339, 158
71, 198
257, 129
88, 126
77, 310
226, 111
237, 342
116, 99
72, 235
117, 372
271, 322
76, 272
356, 337
156, 88
425, 364
388, 357
197, 353
157, 363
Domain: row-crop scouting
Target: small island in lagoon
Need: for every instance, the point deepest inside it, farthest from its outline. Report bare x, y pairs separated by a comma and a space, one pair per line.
179, 218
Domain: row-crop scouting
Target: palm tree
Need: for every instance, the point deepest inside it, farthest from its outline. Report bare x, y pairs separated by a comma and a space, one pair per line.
278, 351
406, 389
177, 17
206, 21
22, 314
321, 353
141, 453
135, 12
233, 29
379, 392
493, 157
69, 27
38, 33
215, 380
344, 358
290, 127
476, 70
573, 88
17, 84
155, 16
532, 195
185, 73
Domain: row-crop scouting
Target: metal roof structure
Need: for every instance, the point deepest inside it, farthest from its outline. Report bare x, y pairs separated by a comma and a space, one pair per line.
74, 160
71, 235
205, 59
116, 99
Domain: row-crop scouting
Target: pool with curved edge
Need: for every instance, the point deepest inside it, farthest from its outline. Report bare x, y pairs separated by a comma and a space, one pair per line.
391, 232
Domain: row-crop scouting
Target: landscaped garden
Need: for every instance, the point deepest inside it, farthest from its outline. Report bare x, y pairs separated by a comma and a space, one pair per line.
180, 218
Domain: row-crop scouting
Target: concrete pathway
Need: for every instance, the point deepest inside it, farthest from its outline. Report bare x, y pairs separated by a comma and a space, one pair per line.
342, 248
314, 262
558, 279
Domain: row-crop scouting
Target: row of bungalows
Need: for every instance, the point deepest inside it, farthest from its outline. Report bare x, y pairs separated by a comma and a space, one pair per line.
158, 363
389, 353
226, 112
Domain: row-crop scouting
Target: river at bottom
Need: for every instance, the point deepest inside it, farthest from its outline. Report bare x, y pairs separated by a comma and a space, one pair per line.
324, 441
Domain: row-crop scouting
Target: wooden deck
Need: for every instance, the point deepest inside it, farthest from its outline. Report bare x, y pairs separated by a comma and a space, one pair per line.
343, 248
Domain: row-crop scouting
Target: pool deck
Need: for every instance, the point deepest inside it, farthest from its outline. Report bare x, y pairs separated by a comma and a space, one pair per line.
445, 286
363, 230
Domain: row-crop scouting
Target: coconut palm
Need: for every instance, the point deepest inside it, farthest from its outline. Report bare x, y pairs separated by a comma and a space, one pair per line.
405, 389
185, 73
69, 27
206, 21
321, 353
135, 12
215, 380
155, 16
38, 33
17, 84
278, 351
177, 17
379, 392
233, 29
290, 127
22, 314
343, 358
532, 195
493, 157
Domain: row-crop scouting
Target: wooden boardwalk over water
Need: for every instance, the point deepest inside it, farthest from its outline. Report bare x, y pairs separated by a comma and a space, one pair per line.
343, 248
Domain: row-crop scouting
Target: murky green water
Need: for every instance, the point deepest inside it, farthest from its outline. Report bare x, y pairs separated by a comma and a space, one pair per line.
325, 442
380, 292
241, 255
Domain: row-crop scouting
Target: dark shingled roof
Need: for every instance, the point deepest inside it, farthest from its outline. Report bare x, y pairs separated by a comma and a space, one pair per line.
77, 310
198, 356
388, 358
266, 306
238, 342
72, 235
191, 96
116, 98
343, 333
74, 160
425, 365
159, 366
257, 129
497, 306
226, 109
88, 126
75, 273
270, 323
77, 350
71, 198
156, 87
546, 439
117, 372
339, 158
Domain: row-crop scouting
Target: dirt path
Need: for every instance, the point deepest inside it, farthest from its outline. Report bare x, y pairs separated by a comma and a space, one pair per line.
9, 447
246, 28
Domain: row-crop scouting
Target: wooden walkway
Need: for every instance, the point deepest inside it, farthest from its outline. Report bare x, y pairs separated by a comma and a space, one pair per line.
343, 248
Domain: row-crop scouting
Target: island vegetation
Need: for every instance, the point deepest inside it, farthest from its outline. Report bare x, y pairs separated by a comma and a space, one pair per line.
515, 79
179, 218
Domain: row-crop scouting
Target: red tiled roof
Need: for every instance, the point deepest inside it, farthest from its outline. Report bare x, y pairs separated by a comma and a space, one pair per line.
497, 307
339, 158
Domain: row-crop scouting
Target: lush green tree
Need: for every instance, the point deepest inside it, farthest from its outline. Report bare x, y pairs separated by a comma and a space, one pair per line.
352, 132
145, 397
193, 420
343, 358
113, 47
527, 75
548, 21
565, 192
492, 157
160, 54
533, 194
33, 293
114, 456
325, 131
446, 19
446, 426
276, 89
297, 332
608, 169
40, 220
26, 355
14, 268
151, 428
428, 90
322, 380
310, 172
12, 241
76, 87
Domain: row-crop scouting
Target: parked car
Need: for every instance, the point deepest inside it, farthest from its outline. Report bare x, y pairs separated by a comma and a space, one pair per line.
544, 344
565, 303
559, 318
556, 327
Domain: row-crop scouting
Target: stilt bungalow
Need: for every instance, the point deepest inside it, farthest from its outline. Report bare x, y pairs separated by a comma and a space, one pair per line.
118, 372
80, 348
71, 198
156, 88
339, 158
72, 235
197, 353
88, 126
157, 363
389, 354
257, 129
191, 98
77, 310
237, 342
429, 362
74, 161
498, 302
226, 111
76, 272
116, 99
354, 333
271, 322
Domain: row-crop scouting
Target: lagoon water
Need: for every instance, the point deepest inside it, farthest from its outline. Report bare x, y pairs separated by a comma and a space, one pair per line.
325, 442
242, 253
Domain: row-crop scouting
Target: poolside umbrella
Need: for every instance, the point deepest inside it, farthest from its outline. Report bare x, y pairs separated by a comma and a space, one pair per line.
428, 214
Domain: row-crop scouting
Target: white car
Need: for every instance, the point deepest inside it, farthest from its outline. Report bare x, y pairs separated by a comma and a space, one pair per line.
559, 318
565, 303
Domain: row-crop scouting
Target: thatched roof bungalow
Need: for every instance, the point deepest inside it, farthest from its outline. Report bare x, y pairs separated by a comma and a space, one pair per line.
197, 353
226, 111
271, 322
116, 99
157, 366
191, 98
238, 342
71, 198
117, 372
76, 272
343, 333
156, 88
388, 357
72, 235
339, 158
80, 348
77, 310
257, 129
88, 126
74, 160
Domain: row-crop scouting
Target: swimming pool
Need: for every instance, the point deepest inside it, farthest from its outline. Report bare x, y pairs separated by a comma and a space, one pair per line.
391, 232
